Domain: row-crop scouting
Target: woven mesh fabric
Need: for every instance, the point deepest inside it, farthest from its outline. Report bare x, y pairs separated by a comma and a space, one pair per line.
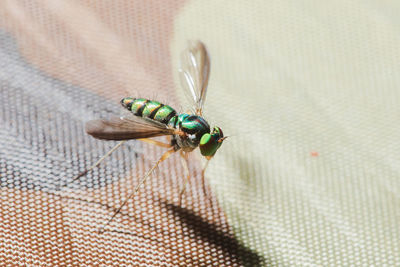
65, 63
308, 92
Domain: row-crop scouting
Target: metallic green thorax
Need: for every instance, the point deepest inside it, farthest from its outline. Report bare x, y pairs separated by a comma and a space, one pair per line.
194, 127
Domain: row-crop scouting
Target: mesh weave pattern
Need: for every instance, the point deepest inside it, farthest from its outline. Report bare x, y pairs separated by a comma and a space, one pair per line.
307, 92
43, 144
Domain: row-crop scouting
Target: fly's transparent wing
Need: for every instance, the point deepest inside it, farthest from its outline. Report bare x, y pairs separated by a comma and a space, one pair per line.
194, 72
125, 128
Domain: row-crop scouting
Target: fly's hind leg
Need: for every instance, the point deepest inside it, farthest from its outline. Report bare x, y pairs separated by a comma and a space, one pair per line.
185, 164
97, 163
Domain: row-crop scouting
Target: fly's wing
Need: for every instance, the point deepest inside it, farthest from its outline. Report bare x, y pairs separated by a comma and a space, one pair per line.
194, 72
124, 128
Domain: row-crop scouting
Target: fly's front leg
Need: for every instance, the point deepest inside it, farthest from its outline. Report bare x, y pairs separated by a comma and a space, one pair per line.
203, 178
185, 164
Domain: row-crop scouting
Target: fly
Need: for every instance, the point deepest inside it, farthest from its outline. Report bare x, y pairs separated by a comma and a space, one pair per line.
151, 119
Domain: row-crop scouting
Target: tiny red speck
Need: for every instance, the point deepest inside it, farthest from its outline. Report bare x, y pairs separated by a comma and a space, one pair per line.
314, 154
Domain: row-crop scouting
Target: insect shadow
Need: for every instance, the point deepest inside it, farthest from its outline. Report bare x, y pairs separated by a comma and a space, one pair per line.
202, 229
211, 233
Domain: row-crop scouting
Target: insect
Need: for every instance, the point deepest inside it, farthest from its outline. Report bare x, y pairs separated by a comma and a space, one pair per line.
150, 118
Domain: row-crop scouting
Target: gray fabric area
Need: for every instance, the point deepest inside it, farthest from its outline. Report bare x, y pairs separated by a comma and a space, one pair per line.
42, 125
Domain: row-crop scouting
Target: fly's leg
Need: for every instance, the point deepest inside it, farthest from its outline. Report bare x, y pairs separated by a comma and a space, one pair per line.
184, 158
155, 142
203, 178
141, 181
94, 165
150, 141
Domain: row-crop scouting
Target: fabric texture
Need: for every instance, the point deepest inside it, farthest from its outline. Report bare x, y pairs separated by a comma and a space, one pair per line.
307, 91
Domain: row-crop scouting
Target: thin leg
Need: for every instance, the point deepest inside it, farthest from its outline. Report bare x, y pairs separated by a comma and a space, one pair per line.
203, 178
184, 158
94, 165
163, 157
155, 142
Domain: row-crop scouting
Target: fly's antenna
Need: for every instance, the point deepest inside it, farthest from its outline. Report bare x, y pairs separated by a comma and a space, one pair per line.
223, 138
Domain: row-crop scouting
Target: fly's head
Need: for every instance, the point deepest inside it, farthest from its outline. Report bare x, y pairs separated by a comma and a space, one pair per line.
210, 142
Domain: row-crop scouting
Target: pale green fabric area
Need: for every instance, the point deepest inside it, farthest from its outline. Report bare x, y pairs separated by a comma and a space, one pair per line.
309, 91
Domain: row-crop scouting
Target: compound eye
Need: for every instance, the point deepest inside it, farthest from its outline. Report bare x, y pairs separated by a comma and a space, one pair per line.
208, 145
217, 133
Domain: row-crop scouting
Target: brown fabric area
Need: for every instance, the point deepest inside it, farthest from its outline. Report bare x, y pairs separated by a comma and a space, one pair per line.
33, 231
63, 61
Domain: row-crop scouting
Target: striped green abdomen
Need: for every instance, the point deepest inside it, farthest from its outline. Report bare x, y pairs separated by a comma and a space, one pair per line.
149, 109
